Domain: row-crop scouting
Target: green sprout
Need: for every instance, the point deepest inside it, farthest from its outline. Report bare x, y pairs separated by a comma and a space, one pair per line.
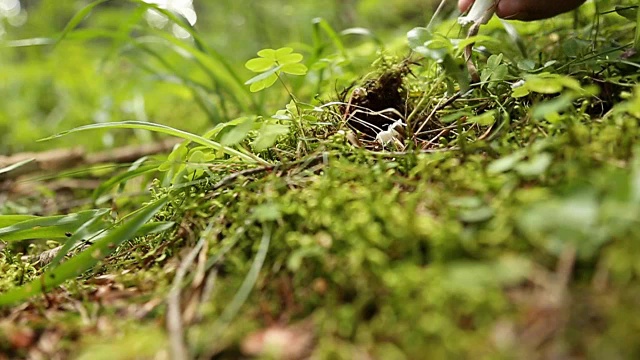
270, 64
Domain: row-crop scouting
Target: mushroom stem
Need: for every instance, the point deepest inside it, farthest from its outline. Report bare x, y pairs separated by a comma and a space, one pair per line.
480, 13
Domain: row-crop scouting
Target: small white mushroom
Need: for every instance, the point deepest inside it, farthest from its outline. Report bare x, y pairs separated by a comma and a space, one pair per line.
517, 84
480, 13
389, 135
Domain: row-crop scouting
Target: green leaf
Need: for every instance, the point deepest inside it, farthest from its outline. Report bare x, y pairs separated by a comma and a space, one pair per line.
454, 71
499, 73
544, 85
176, 158
175, 164
8, 220
268, 54
628, 12
155, 227
264, 83
520, 91
494, 60
196, 157
554, 224
48, 227
220, 128
574, 47
455, 116
294, 69
536, 166
259, 65
485, 119
267, 212
30, 42
290, 59
282, 53
425, 43
268, 134
238, 132
526, 64
270, 64
495, 70
554, 106
505, 163
87, 259
477, 215
122, 178
264, 76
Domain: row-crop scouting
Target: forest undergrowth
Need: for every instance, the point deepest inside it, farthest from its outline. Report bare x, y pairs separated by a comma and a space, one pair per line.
408, 213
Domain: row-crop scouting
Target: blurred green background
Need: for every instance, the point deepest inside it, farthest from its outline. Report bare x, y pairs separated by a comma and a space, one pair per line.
89, 78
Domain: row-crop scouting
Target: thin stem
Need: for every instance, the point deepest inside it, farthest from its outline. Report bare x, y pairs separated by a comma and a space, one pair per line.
636, 41
298, 121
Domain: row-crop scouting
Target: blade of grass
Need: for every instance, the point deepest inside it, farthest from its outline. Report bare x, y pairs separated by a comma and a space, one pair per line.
201, 92
87, 259
212, 62
88, 230
29, 42
218, 73
165, 130
200, 43
96, 34
155, 227
77, 19
8, 220
231, 310
122, 178
220, 254
48, 227
636, 40
12, 167
174, 322
321, 25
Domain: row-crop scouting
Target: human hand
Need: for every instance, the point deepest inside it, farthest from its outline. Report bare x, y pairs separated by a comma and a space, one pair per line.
528, 10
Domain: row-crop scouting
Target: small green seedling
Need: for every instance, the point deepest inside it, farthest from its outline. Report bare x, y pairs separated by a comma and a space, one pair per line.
270, 64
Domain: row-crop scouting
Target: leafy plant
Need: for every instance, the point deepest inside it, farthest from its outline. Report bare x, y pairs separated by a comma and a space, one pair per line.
103, 242
271, 64
517, 197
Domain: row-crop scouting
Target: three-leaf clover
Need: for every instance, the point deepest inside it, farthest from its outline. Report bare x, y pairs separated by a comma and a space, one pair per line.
270, 64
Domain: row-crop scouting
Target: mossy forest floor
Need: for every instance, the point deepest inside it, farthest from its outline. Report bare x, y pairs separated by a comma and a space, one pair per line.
502, 223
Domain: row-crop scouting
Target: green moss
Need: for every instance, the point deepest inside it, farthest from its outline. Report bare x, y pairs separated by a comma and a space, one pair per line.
514, 236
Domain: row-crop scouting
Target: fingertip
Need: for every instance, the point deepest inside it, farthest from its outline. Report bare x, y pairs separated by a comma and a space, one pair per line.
510, 10
528, 10
464, 5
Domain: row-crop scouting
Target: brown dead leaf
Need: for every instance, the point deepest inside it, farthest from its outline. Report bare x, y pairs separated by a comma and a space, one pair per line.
292, 342
21, 338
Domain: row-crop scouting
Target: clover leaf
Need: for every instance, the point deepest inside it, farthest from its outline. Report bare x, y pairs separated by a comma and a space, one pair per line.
270, 64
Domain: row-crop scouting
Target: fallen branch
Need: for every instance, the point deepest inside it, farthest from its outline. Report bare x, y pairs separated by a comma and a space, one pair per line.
64, 159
